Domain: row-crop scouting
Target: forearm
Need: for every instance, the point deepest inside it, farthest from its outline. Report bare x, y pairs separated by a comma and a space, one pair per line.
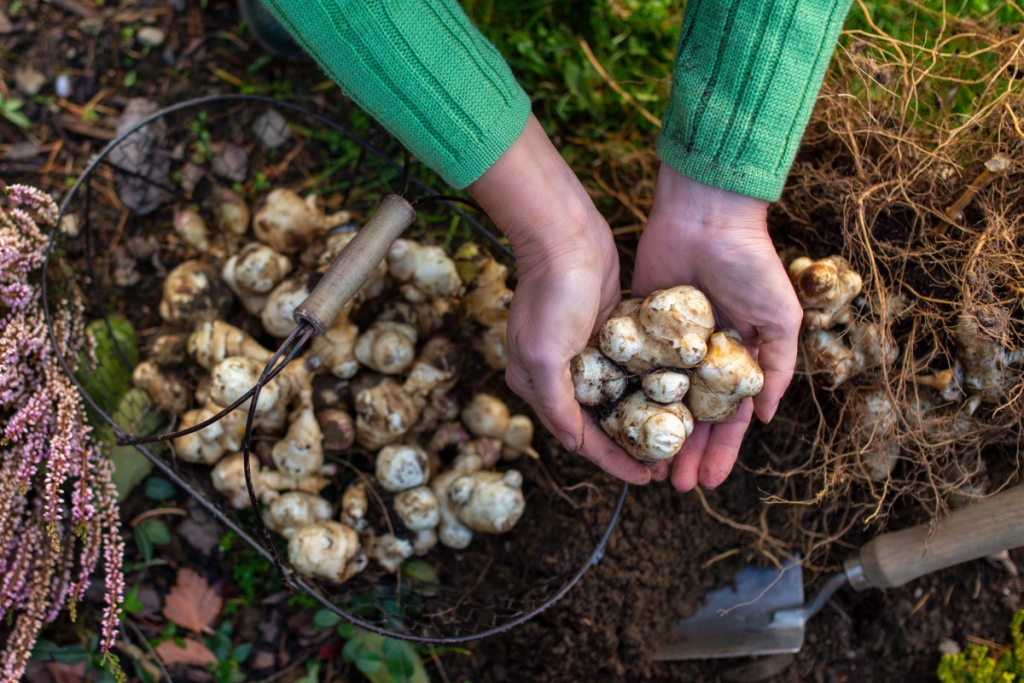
422, 70
746, 77
533, 196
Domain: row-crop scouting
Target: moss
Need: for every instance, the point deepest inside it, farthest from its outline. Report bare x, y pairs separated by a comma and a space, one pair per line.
976, 665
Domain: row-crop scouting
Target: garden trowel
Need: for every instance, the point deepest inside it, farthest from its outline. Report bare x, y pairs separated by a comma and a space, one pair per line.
763, 612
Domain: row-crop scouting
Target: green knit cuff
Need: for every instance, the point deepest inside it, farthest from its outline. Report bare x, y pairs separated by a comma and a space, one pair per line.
746, 77
422, 70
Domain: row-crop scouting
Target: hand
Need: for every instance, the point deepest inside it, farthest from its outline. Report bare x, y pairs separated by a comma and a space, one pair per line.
568, 284
718, 242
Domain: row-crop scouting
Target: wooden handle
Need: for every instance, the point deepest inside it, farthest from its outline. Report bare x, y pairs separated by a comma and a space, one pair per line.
981, 529
353, 266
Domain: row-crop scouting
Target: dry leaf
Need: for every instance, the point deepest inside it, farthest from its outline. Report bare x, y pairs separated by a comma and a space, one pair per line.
66, 673
194, 653
192, 604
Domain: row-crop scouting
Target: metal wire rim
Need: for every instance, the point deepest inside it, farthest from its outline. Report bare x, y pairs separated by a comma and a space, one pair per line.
209, 506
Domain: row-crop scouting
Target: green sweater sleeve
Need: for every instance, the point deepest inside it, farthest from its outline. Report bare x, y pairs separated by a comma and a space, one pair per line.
746, 77
422, 70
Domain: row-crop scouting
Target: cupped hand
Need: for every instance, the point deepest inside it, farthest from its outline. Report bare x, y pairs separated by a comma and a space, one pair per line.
568, 284
718, 242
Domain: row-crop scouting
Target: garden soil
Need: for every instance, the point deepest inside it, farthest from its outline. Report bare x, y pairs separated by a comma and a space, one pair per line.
668, 550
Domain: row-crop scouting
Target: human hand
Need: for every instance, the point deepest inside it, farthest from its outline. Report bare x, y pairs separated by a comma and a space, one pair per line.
718, 242
568, 284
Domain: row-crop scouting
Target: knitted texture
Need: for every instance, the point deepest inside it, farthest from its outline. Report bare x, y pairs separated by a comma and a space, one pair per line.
422, 70
746, 77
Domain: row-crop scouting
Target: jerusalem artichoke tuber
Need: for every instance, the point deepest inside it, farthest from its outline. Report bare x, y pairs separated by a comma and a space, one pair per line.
389, 410
253, 273
232, 212
192, 228
825, 288
388, 348
669, 328
727, 375
294, 510
278, 312
666, 386
194, 293
167, 391
289, 223
488, 502
214, 341
401, 467
451, 531
336, 349
649, 431
596, 378
327, 550
422, 271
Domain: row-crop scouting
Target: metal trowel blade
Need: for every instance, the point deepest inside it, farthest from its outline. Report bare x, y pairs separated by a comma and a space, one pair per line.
740, 620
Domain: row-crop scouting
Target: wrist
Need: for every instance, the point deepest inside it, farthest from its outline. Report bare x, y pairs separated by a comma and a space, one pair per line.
694, 209
534, 198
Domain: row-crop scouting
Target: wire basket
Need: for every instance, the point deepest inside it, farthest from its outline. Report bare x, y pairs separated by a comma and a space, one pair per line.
124, 203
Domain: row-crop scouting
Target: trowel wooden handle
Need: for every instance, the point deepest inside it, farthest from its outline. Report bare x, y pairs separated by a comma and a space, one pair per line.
989, 526
353, 266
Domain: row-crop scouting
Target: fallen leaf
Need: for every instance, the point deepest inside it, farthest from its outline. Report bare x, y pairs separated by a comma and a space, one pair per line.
192, 604
66, 673
194, 653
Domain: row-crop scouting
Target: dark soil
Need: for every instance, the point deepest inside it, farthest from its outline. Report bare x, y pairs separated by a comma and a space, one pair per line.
666, 552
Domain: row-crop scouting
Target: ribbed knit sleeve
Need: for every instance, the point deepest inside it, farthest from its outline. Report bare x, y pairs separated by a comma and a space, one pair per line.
422, 70
746, 77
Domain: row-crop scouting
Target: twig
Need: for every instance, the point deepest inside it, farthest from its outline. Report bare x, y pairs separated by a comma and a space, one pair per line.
616, 87
994, 167
152, 653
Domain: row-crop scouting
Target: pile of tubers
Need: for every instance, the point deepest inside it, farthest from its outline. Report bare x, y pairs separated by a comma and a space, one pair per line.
657, 366
387, 388
839, 340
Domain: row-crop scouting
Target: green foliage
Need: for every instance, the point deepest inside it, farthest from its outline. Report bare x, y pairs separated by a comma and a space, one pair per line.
9, 110
380, 659
253, 577
229, 656
116, 357
633, 40
151, 532
159, 489
99, 668
135, 414
975, 665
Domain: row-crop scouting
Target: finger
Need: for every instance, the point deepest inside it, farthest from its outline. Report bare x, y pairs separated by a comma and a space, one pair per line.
723, 447
659, 471
777, 357
687, 461
604, 453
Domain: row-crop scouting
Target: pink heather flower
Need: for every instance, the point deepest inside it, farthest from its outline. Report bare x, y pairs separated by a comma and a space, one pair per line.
54, 480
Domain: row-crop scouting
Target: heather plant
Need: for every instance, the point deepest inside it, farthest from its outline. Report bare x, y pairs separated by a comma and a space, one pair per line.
978, 665
58, 507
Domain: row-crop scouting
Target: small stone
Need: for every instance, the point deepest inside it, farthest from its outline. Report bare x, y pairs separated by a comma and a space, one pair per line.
949, 647
20, 151
28, 80
200, 530
69, 225
62, 86
272, 129
190, 177
150, 36
232, 162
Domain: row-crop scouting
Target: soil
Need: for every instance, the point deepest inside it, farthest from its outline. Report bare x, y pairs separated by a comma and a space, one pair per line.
667, 550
